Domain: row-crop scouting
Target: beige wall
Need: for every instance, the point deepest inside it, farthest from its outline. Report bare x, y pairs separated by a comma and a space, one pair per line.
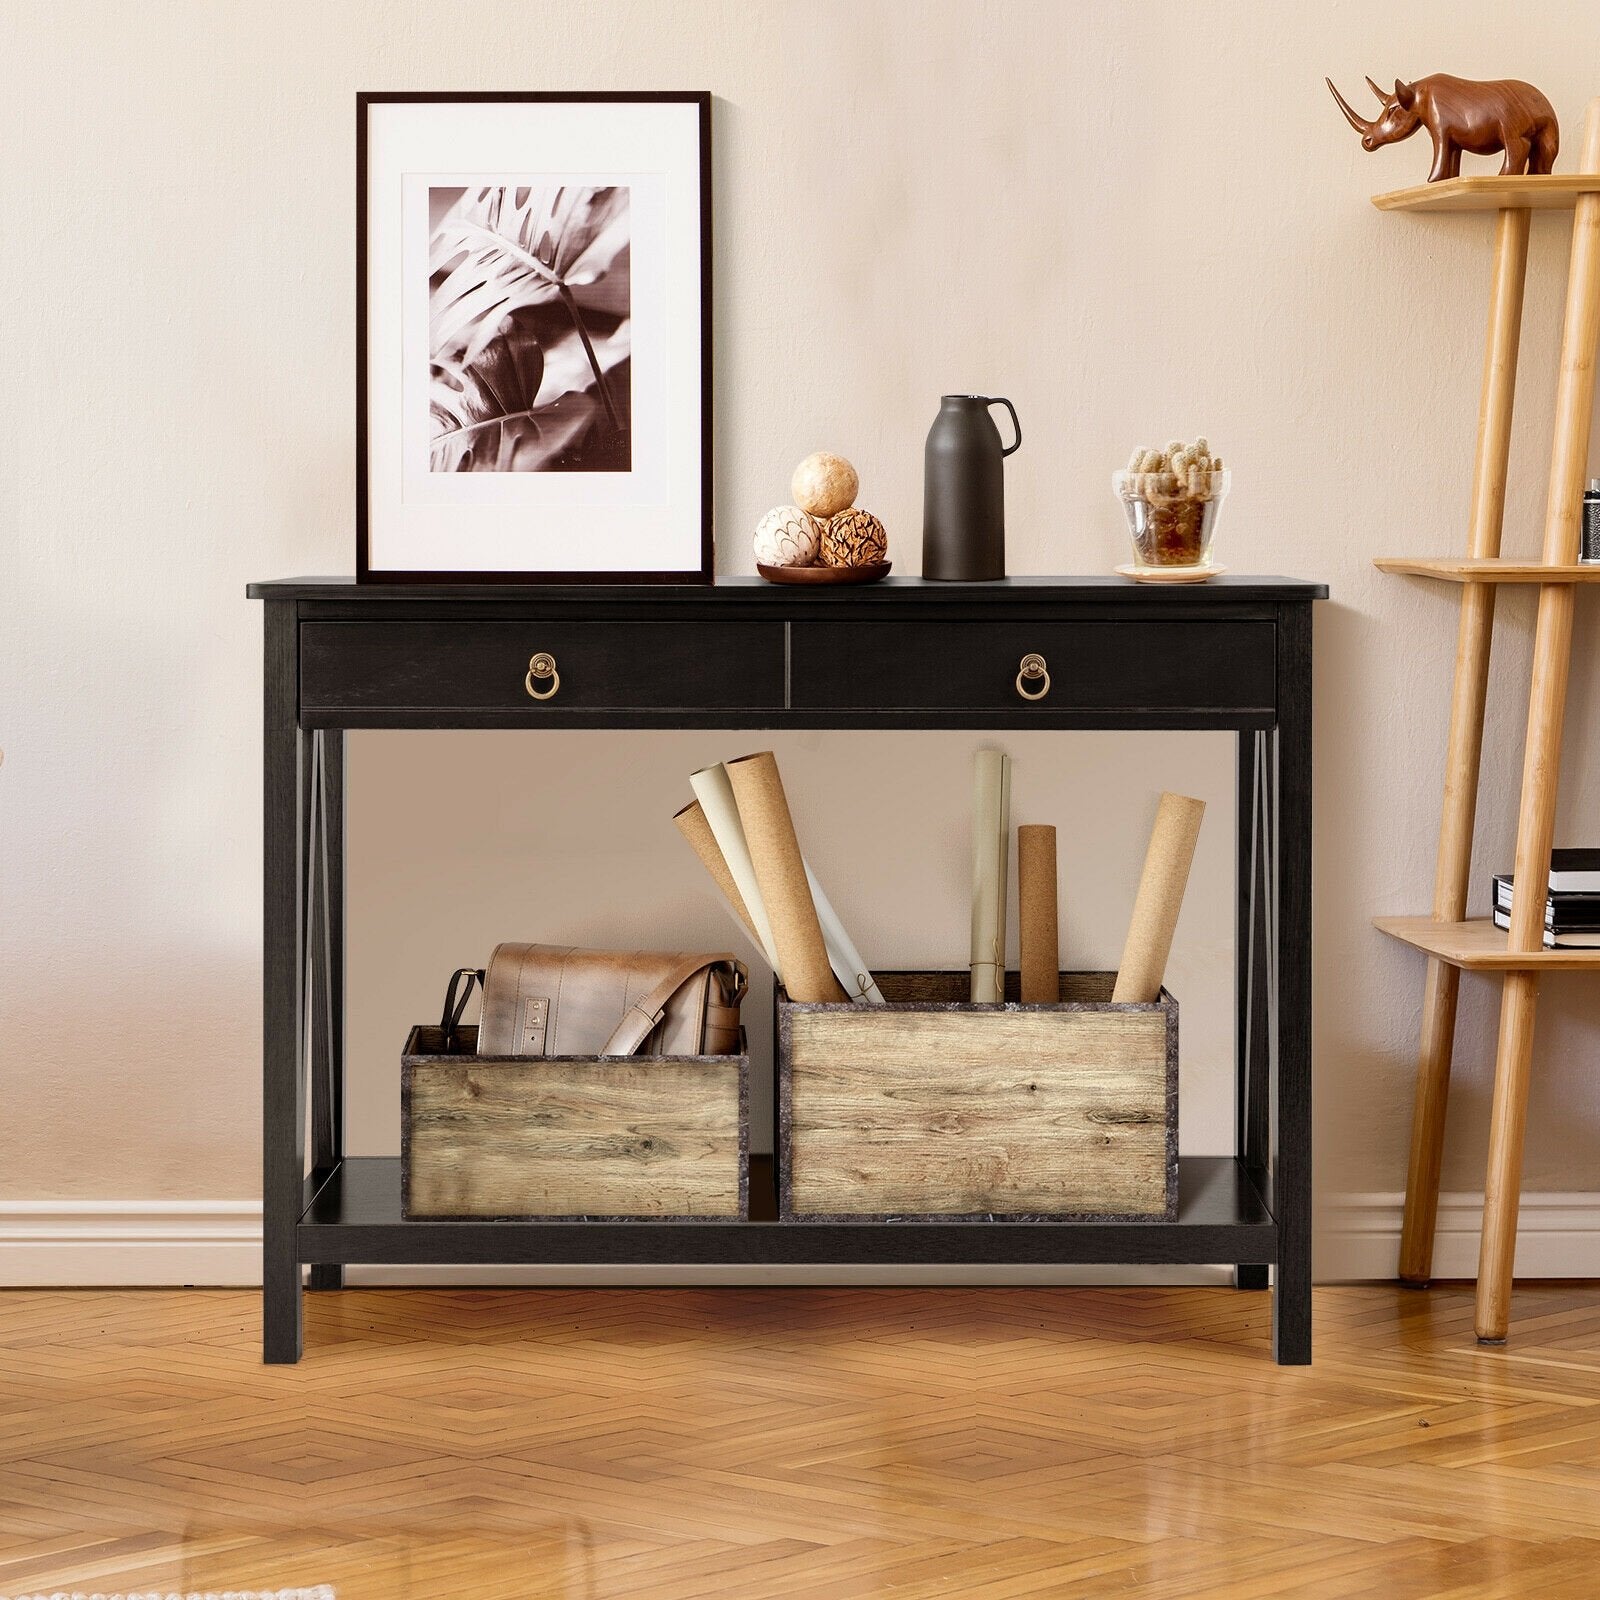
1135, 220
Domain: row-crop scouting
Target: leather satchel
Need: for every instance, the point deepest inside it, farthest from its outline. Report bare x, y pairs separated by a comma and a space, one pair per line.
554, 1000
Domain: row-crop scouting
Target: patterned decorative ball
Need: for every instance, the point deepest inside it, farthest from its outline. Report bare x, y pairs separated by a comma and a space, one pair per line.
854, 538
824, 485
788, 537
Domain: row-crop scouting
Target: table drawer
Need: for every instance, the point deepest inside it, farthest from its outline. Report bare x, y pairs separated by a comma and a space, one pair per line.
974, 666
598, 666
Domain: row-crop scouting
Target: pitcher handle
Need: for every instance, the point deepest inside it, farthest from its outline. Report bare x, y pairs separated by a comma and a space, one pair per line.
1016, 444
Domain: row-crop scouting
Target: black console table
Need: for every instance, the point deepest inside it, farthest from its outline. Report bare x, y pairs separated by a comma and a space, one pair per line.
1232, 654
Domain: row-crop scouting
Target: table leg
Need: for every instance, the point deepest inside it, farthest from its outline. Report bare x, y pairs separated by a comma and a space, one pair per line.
1252, 1138
283, 969
326, 1010
1290, 916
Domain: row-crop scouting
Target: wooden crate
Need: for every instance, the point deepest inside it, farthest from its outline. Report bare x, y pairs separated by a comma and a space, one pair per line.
572, 1138
933, 1107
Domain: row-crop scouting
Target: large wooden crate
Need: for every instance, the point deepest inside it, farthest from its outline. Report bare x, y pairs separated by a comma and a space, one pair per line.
572, 1138
933, 1107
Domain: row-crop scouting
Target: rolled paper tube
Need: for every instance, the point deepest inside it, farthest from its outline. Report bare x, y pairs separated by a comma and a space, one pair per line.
781, 874
991, 838
715, 794
696, 827
843, 957
691, 823
1002, 844
1160, 898
1037, 916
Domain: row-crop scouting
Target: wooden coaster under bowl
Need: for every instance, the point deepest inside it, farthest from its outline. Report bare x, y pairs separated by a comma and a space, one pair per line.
868, 573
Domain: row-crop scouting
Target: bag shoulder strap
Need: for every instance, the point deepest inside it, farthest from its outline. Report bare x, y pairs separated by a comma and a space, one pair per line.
455, 1004
644, 1016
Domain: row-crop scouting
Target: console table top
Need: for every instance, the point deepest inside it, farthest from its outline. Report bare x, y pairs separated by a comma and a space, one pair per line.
1228, 589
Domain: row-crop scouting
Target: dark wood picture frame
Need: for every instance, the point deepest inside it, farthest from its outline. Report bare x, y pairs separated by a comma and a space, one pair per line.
365, 573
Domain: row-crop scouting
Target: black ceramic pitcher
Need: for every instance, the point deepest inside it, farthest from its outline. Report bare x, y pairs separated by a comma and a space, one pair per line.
964, 491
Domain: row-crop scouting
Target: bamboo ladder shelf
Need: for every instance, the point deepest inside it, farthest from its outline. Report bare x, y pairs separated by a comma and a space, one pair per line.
1451, 942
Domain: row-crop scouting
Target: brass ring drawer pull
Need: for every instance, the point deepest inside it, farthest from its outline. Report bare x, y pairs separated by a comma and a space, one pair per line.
542, 666
1033, 670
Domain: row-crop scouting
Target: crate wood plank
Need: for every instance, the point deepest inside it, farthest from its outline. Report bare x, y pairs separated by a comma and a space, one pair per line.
576, 1137
960, 1111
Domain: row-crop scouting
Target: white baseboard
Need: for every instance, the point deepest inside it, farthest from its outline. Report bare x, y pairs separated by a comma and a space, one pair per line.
217, 1243
129, 1243
1358, 1236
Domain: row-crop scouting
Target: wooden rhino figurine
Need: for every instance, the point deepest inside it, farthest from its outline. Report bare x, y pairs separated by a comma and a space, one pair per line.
1463, 114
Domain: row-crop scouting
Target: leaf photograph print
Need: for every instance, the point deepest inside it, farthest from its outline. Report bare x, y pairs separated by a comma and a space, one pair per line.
528, 329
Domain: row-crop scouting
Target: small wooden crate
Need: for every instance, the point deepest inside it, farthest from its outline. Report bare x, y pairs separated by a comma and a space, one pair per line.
933, 1107
572, 1138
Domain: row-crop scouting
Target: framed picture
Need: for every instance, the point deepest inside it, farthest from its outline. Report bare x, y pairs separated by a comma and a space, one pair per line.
533, 360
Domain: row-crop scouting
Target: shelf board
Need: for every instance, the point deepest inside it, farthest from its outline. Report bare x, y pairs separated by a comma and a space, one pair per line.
1479, 946
1556, 191
1488, 569
355, 1217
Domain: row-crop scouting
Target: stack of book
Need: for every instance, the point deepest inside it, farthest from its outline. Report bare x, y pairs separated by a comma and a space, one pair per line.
1572, 907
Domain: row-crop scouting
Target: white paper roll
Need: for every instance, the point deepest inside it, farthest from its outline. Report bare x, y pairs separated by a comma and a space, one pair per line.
843, 957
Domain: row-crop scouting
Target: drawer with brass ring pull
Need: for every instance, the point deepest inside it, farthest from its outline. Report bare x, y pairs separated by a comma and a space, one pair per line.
1062, 667
539, 669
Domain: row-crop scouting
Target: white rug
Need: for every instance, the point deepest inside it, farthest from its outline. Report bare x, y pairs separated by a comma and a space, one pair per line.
321, 1592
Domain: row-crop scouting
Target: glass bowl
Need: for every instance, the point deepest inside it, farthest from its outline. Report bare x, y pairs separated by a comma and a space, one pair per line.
1171, 521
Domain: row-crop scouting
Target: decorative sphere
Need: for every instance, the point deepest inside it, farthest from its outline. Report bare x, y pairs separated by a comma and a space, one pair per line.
824, 485
854, 538
788, 537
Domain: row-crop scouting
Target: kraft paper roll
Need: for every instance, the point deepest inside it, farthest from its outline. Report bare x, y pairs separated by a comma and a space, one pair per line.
781, 874
691, 823
1037, 914
1160, 898
991, 840
715, 794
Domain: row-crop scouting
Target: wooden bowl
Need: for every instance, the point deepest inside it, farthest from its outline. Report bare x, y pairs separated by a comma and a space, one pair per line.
869, 573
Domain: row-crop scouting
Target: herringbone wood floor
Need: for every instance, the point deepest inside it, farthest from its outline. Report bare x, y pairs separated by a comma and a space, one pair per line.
840, 1443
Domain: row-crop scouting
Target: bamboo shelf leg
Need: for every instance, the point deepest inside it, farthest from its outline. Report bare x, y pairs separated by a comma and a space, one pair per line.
1547, 697
1465, 748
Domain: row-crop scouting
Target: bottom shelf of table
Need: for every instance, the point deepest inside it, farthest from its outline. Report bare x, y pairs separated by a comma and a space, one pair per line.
354, 1217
